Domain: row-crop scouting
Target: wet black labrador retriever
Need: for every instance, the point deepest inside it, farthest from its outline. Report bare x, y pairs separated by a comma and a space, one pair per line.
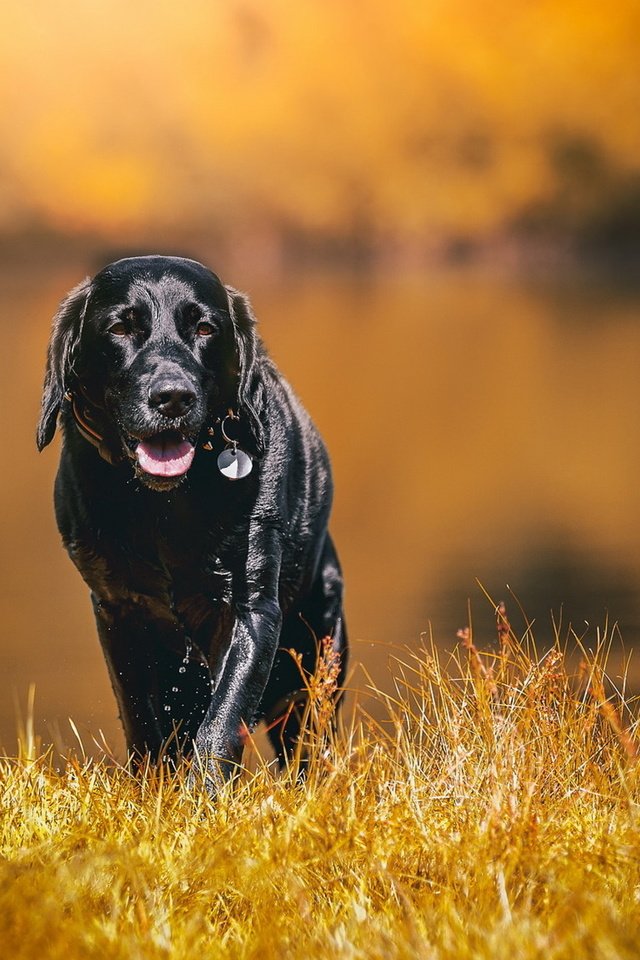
193, 495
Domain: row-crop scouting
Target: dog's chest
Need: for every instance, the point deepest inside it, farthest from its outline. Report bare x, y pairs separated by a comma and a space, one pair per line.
168, 559
195, 585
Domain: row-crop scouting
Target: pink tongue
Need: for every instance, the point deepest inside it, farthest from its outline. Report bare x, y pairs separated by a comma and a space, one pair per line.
165, 458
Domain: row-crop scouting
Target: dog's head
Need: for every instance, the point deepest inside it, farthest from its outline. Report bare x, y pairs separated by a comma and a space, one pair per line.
154, 348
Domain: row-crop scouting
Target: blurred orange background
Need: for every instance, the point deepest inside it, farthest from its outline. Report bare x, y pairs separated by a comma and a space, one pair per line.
436, 211
350, 124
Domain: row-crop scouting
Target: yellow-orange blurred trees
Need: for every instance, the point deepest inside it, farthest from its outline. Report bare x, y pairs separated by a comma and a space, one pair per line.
343, 119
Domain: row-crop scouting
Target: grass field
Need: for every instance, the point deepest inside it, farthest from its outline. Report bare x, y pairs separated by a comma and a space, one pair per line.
494, 813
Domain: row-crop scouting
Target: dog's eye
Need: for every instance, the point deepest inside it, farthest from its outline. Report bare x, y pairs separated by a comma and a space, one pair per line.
123, 327
204, 329
118, 329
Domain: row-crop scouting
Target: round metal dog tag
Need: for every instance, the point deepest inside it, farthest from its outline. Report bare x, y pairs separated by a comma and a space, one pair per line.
235, 464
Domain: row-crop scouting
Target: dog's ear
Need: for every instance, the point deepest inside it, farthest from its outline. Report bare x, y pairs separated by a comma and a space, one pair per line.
65, 335
250, 391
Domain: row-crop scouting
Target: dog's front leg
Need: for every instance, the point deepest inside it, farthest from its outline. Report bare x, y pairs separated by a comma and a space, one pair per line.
241, 682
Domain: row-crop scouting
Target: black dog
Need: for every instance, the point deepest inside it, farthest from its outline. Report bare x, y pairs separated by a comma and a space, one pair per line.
193, 496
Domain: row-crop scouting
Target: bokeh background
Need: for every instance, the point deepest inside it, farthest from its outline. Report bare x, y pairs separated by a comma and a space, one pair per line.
435, 208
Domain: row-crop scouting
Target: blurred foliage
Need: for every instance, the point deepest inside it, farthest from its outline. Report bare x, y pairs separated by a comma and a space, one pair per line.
359, 124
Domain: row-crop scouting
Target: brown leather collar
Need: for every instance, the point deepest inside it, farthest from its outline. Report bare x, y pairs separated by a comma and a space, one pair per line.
86, 425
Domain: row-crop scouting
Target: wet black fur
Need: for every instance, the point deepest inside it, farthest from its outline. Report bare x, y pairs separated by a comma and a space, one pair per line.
200, 586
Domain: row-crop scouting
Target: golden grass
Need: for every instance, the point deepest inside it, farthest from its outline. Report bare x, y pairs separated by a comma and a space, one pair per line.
494, 814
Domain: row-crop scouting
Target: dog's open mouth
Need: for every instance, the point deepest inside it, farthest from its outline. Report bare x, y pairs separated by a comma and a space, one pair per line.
165, 454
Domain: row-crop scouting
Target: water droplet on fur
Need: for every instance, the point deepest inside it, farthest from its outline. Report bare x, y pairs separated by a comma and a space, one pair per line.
174, 689
167, 708
182, 670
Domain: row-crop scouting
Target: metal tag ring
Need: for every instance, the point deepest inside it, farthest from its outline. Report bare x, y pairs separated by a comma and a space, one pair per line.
230, 416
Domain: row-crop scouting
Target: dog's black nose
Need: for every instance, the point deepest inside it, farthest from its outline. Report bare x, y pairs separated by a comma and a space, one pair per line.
172, 398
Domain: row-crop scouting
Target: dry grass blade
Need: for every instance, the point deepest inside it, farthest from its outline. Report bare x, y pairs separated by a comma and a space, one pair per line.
490, 810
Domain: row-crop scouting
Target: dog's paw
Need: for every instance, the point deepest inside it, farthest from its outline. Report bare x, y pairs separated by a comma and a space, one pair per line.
211, 769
